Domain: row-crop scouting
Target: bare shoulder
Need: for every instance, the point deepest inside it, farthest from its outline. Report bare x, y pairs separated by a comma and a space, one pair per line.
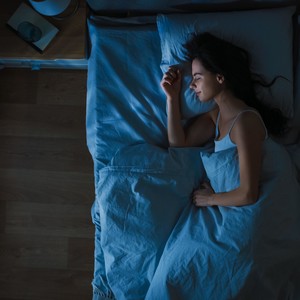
248, 127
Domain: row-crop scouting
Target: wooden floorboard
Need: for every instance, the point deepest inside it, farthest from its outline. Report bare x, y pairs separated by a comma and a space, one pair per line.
33, 120
68, 87
48, 154
46, 186
45, 283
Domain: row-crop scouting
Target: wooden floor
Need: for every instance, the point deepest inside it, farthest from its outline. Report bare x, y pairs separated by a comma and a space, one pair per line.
46, 186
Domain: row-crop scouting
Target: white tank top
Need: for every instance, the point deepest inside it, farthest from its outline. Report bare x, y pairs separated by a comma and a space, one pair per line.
226, 142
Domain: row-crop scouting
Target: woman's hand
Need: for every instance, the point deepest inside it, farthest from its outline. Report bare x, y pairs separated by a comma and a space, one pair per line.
203, 196
171, 83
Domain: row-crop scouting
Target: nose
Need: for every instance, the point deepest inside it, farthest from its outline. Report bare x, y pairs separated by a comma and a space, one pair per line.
192, 85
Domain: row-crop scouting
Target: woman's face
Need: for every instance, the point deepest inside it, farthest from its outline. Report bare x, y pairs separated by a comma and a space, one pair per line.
205, 84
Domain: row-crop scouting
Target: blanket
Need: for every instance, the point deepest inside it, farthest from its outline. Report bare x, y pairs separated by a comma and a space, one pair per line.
156, 245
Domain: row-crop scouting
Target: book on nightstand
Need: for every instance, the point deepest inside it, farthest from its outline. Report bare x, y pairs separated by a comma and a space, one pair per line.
32, 27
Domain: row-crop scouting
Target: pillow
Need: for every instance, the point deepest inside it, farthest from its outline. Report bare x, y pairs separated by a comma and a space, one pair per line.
125, 103
222, 169
267, 35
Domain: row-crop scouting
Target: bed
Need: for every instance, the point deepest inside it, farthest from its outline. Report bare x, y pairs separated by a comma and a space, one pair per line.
150, 241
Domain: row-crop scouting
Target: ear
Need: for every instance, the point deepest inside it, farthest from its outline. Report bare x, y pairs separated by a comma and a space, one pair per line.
220, 78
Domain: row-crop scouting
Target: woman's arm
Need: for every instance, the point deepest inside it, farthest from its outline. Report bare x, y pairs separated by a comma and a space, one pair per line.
248, 134
199, 132
176, 134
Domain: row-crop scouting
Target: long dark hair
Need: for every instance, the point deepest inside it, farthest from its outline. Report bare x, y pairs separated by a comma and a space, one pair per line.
222, 57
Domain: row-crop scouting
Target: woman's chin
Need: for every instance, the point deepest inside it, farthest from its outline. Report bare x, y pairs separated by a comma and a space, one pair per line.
201, 99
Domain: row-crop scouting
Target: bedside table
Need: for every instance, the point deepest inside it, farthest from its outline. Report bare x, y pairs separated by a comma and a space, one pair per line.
66, 50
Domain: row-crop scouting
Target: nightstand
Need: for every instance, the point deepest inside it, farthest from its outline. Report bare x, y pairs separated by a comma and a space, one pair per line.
66, 50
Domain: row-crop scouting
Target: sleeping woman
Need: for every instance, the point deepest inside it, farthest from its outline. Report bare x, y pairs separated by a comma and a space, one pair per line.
221, 71
238, 252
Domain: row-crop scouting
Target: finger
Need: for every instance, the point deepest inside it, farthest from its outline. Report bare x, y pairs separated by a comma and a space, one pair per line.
197, 192
165, 85
195, 198
168, 78
208, 186
205, 185
172, 73
174, 70
166, 81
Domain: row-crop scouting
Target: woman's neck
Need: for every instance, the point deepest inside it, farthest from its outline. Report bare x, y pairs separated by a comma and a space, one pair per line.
228, 104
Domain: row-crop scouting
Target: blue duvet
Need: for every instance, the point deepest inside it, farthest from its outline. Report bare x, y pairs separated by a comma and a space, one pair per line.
156, 245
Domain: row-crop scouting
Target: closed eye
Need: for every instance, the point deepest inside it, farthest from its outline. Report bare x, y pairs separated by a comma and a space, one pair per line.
197, 76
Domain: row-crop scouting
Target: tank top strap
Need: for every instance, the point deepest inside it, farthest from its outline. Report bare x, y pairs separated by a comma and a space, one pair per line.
217, 125
240, 113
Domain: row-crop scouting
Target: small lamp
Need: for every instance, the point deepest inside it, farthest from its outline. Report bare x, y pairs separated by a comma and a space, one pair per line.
50, 7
